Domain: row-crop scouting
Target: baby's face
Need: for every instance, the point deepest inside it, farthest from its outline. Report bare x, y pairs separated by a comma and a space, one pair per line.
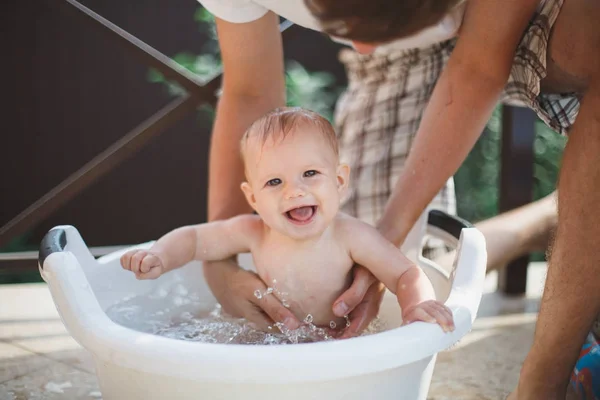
295, 185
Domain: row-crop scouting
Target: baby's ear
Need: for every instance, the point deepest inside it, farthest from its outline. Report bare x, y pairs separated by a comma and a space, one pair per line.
343, 177
247, 189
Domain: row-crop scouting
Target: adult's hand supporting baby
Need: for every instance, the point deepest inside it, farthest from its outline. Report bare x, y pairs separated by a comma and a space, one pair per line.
234, 289
360, 302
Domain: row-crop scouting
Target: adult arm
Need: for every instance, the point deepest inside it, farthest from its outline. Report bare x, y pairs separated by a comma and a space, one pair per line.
253, 84
460, 106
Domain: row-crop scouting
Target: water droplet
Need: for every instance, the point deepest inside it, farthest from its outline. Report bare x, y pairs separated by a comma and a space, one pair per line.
55, 387
285, 303
146, 313
269, 290
347, 321
186, 315
332, 324
280, 326
216, 312
181, 290
257, 294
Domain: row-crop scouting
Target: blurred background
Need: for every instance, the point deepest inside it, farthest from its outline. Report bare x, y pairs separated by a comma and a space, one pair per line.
70, 93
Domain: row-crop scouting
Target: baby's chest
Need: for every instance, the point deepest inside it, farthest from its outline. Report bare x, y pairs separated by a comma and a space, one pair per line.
303, 272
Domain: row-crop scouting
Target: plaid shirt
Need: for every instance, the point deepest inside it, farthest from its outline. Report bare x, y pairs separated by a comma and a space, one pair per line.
378, 115
558, 111
377, 118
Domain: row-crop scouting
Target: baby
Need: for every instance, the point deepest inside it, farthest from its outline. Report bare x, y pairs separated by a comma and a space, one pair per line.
299, 238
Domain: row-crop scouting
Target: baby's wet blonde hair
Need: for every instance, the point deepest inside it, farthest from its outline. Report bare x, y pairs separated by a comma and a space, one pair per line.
281, 122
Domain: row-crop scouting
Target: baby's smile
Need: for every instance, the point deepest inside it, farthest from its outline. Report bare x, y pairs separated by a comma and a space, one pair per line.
302, 215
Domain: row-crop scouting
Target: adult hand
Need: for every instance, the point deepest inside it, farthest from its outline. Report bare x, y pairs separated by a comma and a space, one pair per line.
234, 289
360, 302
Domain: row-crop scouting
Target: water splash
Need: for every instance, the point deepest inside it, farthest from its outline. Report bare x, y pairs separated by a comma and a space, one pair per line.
175, 313
55, 387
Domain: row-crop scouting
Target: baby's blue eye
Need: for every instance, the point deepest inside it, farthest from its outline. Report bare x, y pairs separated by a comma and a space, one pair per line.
274, 182
310, 173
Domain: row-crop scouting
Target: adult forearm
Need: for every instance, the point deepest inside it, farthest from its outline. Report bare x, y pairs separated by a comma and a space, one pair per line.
235, 112
460, 107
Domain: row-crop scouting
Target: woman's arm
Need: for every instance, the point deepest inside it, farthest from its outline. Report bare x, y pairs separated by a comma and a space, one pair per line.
461, 104
253, 84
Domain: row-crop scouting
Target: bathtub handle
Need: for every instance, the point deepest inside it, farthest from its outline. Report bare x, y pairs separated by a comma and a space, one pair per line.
53, 242
467, 273
448, 223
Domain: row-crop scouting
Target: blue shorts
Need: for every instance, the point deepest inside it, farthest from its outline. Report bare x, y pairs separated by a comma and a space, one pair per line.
585, 378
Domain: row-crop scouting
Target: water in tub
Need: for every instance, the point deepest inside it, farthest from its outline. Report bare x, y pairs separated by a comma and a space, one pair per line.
174, 312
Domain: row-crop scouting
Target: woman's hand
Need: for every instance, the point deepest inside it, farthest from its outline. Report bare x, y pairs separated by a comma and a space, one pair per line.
360, 302
234, 289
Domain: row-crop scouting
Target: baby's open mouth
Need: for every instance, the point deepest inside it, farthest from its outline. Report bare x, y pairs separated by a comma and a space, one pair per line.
301, 215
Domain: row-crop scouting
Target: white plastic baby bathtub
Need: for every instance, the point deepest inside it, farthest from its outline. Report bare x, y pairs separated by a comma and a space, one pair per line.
395, 364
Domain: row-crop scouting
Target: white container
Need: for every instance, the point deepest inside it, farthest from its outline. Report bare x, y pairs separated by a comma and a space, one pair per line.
395, 364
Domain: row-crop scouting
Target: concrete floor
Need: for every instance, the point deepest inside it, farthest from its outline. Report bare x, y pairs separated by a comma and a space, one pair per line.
40, 360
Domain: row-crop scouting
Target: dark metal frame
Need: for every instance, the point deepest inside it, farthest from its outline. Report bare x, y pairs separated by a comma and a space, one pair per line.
197, 93
516, 183
517, 162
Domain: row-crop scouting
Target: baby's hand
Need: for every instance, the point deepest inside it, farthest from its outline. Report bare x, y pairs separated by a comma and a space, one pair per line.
144, 264
430, 311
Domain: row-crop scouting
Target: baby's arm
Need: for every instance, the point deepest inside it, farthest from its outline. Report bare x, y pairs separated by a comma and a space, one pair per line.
400, 275
206, 242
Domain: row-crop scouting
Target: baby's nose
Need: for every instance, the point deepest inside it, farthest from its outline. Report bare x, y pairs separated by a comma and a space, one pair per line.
295, 191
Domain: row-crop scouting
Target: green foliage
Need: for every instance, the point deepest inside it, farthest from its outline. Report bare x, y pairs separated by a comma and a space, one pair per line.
314, 90
477, 180
19, 243
548, 149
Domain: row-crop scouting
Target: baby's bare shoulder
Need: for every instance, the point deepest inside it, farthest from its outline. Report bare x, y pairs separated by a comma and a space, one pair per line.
246, 224
351, 229
250, 221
